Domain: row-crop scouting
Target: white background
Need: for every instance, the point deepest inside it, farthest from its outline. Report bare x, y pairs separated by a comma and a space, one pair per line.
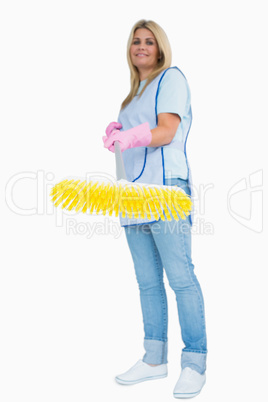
70, 314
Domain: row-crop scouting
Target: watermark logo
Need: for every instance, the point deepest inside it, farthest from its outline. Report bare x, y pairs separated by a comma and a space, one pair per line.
28, 193
88, 229
245, 201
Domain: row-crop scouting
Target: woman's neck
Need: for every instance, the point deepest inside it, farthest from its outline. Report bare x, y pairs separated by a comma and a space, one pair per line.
143, 74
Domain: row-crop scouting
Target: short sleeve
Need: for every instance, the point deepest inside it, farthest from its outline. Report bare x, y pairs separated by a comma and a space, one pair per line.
174, 95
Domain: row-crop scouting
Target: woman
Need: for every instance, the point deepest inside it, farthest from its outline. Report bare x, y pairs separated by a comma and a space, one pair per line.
152, 129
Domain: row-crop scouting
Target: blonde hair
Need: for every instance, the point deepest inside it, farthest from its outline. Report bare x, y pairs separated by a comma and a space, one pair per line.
163, 63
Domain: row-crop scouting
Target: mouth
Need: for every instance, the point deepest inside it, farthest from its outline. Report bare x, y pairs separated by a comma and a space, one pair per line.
141, 55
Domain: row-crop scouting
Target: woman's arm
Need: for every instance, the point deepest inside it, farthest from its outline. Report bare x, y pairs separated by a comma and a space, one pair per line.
166, 129
142, 136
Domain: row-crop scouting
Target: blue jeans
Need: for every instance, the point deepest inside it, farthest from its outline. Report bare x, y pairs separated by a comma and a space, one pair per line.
167, 245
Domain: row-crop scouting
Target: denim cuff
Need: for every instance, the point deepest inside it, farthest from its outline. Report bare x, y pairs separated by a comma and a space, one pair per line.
156, 351
194, 360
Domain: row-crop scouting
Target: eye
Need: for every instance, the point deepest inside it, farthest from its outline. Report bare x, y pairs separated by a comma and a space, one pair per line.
136, 42
149, 42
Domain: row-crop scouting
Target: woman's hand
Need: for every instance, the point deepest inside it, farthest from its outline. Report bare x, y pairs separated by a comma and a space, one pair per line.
142, 136
139, 136
111, 127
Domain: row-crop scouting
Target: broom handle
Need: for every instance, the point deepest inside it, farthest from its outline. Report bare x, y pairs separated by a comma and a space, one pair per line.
120, 168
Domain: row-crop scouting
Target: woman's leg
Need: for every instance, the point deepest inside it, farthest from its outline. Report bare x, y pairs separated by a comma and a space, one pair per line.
149, 274
173, 241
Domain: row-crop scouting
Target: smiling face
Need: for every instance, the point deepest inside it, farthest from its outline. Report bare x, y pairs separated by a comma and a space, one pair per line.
144, 52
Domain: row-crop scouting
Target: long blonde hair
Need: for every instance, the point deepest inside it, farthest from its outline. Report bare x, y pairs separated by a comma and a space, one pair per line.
164, 57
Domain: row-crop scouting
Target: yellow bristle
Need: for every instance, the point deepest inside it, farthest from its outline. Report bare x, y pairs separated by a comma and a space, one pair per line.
159, 201
105, 199
81, 200
73, 197
108, 192
94, 193
139, 202
55, 197
164, 199
170, 205
131, 200
128, 201
122, 208
112, 199
115, 206
147, 203
99, 198
81, 197
136, 202
155, 203
87, 191
102, 199
116, 209
57, 186
59, 190
182, 203
65, 193
71, 205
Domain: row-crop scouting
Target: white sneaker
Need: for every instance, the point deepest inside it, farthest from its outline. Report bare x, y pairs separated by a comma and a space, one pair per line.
142, 372
189, 384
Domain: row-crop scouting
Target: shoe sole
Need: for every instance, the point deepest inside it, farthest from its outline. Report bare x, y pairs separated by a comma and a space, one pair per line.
186, 396
123, 382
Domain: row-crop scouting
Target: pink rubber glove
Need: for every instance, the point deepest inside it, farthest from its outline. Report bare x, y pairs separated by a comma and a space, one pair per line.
112, 126
139, 136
